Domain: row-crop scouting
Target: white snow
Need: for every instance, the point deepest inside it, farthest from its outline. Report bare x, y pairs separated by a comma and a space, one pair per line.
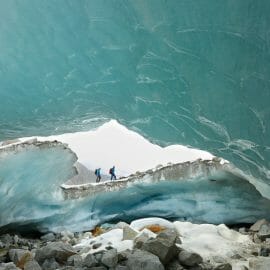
216, 243
211, 240
113, 144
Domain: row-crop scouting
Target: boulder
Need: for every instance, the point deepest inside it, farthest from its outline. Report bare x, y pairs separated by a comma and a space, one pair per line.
32, 265
189, 258
8, 266
16, 255
168, 234
261, 263
58, 250
140, 240
48, 237
143, 260
121, 267
223, 266
50, 264
162, 247
257, 225
96, 268
90, 261
264, 251
110, 258
264, 231
75, 260
129, 233
174, 265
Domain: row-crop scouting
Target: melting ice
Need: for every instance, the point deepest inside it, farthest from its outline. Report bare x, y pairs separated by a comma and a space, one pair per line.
199, 191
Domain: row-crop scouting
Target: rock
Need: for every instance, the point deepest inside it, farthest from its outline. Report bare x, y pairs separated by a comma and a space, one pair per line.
223, 266
189, 258
143, 260
264, 231
121, 225
96, 245
174, 265
67, 233
48, 237
243, 230
90, 261
58, 250
162, 247
256, 226
168, 234
32, 265
50, 264
140, 240
264, 251
16, 255
97, 268
8, 266
3, 255
256, 239
129, 233
6, 240
123, 256
121, 267
110, 258
75, 260
262, 263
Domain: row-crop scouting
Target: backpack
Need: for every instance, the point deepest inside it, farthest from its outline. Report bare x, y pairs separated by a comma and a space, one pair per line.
95, 171
110, 171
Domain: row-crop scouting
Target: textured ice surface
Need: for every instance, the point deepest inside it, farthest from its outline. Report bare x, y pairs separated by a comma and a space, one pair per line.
180, 72
30, 198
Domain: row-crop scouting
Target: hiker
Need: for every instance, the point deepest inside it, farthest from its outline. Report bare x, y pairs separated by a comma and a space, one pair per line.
98, 175
112, 173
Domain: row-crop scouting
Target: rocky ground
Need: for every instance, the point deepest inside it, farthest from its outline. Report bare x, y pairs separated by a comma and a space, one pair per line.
152, 245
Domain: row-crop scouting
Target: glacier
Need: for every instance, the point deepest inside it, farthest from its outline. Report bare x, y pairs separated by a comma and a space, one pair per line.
190, 73
38, 194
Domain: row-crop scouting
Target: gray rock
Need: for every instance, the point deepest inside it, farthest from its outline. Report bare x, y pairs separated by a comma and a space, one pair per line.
16, 255
8, 266
256, 226
143, 260
98, 268
48, 237
164, 248
261, 263
32, 265
121, 225
129, 233
174, 265
121, 267
140, 240
264, 251
90, 261
123, 256
50, 264
264, 231
168, 234
223, 266
58, 250
110, 258
6, 239
96, 245
189, 258
75, 260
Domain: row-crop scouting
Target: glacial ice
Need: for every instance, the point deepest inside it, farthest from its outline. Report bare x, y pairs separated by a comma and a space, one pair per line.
200, 191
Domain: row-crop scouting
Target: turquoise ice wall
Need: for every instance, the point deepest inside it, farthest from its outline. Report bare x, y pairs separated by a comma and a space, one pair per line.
179, 71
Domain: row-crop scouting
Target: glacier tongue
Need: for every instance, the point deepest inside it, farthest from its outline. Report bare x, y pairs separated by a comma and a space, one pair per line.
30, 175
200, 191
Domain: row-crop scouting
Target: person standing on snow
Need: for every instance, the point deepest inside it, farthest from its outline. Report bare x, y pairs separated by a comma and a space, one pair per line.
98, 175
112, 173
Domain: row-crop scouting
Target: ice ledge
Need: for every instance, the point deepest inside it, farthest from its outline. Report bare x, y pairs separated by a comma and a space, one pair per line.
170, 172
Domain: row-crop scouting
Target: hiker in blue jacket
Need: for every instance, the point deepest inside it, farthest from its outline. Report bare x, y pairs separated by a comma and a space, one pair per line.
112, 173
98, 175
